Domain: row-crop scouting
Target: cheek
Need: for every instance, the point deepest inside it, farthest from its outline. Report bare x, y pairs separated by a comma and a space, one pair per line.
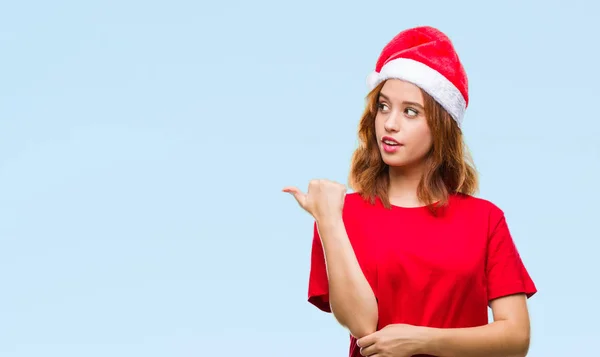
379, 125
421, 138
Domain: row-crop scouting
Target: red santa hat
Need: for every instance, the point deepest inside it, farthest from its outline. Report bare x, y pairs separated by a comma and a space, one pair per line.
425, 57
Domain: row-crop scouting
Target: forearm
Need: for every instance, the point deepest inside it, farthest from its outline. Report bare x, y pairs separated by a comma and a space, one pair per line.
498, 339
351, 298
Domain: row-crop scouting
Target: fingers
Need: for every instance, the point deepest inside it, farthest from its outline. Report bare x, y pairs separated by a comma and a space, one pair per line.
298, 195
368, 345
368, 351
367, 340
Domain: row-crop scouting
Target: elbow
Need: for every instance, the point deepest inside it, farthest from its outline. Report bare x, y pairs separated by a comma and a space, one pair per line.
524, 349
360, 322
359, 326
522, 342
359, 332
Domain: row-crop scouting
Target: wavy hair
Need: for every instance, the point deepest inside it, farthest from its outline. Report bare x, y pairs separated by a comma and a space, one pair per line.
449, 166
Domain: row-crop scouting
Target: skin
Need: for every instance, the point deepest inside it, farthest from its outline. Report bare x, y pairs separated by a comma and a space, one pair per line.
401, 116
357, 311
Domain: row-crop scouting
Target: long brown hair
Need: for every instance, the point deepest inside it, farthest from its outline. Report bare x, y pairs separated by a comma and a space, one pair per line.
449, 167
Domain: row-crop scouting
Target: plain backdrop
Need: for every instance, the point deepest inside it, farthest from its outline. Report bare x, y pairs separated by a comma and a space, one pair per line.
144, 144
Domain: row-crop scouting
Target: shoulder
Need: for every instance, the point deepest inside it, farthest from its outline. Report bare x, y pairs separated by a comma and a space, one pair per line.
477, 207
354, 198
355, 203
473, 202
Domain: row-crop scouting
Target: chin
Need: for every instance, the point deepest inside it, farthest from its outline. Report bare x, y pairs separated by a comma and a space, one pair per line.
396, 163
398, 160
394, 160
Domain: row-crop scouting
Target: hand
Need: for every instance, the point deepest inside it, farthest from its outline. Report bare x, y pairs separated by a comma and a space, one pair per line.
398, 340
324, 200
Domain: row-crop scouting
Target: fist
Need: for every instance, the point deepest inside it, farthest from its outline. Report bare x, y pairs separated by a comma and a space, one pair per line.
324, 199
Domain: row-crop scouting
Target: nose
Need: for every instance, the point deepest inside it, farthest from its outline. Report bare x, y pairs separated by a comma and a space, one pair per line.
391, 123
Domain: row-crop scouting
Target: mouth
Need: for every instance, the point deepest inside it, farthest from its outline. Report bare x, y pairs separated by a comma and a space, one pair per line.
387, 140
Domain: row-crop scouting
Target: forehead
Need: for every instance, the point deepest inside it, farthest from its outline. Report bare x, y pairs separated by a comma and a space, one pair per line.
399, 90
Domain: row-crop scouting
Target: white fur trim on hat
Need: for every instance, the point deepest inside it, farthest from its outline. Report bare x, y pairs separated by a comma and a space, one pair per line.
428, 79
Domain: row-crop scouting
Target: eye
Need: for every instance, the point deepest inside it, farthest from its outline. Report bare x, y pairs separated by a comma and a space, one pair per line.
382, 107
411, 112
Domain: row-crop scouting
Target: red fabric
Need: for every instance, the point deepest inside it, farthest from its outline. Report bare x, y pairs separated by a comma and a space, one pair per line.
425, 270
431, 47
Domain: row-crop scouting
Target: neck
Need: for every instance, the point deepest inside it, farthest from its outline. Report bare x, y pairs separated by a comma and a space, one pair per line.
403, 186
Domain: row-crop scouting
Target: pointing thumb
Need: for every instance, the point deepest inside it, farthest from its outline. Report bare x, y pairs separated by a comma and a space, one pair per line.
298, 195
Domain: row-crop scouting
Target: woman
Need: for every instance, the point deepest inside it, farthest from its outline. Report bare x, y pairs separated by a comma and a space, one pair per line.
410, 261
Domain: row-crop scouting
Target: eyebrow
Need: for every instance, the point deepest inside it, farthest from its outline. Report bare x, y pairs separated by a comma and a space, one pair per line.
404, 102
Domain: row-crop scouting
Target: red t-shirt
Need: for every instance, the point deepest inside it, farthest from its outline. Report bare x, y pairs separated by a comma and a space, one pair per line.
426, 270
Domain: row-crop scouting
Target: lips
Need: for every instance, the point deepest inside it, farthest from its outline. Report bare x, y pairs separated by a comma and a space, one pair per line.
390, 145
388, 140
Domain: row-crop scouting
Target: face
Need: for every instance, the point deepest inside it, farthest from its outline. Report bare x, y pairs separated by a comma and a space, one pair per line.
401, 127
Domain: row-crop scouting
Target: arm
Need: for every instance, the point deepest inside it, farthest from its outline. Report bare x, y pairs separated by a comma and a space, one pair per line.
351, 298
508, 335
508, 286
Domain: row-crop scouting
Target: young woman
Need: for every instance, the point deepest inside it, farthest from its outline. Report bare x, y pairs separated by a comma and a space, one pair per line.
410, 261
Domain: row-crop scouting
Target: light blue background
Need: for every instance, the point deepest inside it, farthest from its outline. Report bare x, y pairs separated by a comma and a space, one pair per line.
144, 144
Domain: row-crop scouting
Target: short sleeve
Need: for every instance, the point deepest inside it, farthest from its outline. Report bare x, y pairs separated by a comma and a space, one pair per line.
506, 273
318, 285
